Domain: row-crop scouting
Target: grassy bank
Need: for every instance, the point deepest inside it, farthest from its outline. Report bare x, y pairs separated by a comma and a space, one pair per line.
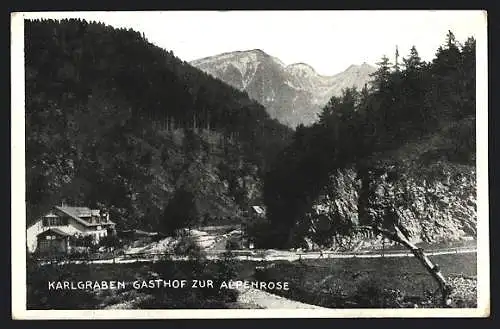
368, 283
39, 296
334, 283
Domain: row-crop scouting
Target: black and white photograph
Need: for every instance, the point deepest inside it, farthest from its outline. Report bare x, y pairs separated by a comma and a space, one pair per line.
191, 164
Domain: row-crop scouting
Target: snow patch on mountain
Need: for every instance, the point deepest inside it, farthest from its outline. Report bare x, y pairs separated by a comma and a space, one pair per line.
292, 93
301, 69
248, 79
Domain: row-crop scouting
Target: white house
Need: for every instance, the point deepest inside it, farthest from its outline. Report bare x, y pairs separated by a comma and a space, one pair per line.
68, 221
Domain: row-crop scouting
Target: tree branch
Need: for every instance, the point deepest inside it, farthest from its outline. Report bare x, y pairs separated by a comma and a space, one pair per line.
432, 268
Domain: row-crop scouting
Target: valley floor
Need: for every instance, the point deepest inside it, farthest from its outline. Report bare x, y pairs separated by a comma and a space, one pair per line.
318, 279
330, 283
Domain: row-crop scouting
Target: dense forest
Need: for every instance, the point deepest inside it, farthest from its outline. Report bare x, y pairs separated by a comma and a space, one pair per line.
115, 122
398, 153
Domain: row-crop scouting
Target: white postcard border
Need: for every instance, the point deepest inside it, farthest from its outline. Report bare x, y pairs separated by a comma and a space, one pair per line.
18, 213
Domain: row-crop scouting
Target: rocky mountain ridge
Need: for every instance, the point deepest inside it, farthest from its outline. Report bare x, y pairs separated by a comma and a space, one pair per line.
294, 94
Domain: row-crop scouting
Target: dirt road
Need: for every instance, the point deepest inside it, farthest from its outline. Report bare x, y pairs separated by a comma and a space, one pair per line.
266, 255
266, 300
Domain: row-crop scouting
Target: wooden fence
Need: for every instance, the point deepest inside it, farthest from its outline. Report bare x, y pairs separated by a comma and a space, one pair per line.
250, 255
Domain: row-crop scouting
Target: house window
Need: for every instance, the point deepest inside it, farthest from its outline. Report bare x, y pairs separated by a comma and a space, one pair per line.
55, 221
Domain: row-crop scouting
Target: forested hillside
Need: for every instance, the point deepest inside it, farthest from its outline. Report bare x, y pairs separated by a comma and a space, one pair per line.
113, 121
401, 153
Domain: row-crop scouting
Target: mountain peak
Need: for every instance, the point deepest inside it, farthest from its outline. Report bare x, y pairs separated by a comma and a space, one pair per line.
365, 66
257, 51
302, 68
292, 93
251, 55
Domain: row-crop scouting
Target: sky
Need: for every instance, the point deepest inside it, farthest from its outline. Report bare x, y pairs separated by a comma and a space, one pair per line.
329, 41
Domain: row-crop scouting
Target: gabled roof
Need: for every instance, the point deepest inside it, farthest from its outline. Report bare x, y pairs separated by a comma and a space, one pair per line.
81, 211
56, 231
77, 212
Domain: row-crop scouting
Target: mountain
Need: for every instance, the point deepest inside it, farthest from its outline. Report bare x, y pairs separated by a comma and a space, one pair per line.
293, 94
115, 122
399, 155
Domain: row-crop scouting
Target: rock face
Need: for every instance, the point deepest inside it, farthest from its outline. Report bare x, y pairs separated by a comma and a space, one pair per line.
435, 204
292, 94
421, 187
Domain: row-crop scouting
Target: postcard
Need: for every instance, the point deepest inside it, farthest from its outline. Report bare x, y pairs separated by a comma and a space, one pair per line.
249, 164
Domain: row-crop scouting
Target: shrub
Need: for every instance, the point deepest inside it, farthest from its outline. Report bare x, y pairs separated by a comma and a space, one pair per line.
232, 244
188, 297
372, 293
187, 246
261, 232
226, 269
110, 242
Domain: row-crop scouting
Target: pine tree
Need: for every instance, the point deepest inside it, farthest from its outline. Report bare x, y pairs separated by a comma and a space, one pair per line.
413, 62
468, 79
447, 69
448, 56
450, 40
381, 76
396, 60
180, 212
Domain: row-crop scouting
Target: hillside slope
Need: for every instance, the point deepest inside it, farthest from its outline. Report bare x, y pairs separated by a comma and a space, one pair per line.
293, 94
433, 196
113, 121
398, 157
